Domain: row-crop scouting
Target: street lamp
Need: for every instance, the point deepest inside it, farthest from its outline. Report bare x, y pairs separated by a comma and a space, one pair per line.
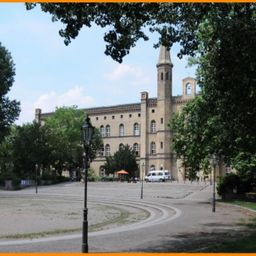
142, 177
87, 132
214, 162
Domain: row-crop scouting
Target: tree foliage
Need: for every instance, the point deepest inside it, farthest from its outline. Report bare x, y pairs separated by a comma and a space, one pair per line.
54, 146
65, 137
30, 147
9, 109
226, 74
123, 159
133, 21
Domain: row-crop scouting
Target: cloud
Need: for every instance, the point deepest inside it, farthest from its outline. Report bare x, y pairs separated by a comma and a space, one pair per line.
124, 71
74, 96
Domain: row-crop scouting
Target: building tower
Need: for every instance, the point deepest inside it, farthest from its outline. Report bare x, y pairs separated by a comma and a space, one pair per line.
164, 109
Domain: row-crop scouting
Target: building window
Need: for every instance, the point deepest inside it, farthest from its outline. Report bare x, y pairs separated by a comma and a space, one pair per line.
162, 76
113, 117
136, 129
152, 148
102, 131
152, 111
107, 131
161, 145
136, 149
101, 151
105, 117
121, 146
102, 172
107, 150
153, 126
130, 115
139, 115
121, 130
188, 89
121, 116
166, 76
162, 120
97, 118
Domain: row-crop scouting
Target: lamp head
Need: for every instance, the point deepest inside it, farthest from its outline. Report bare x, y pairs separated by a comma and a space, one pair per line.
87, 131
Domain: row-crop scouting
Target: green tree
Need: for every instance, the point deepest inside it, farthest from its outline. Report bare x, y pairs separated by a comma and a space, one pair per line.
9, 109
65, 138
174, 23
6, 154
123, 159
226, 74
30, 147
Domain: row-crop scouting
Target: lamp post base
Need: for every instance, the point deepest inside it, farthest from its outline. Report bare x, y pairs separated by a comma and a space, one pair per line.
85, 248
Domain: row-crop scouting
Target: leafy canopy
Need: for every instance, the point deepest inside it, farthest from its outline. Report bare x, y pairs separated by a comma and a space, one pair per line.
9, 109
224, 114
123, 159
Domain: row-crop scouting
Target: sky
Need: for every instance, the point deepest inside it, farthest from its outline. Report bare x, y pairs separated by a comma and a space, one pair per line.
50, 74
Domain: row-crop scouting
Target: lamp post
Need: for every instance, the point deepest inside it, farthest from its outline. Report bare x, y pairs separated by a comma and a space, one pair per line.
214, 162
36, 168
87, 132
142, 178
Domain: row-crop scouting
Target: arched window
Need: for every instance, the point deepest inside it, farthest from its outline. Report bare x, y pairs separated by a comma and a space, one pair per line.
102, 172
188, 89
136, 149
152, 148
162, 76
121, 130
107, 150
153, 126
166, 76
136, 129
102, 131
107, 131
121, 145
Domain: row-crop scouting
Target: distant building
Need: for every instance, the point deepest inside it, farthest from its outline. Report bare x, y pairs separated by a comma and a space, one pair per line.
142, 125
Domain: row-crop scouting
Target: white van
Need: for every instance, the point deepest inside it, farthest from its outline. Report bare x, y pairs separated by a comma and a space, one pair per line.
158, 175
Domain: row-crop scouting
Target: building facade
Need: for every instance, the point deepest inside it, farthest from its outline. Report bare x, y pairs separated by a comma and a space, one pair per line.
143, 125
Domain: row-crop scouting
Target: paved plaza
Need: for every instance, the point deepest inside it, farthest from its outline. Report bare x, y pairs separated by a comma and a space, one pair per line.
171, 217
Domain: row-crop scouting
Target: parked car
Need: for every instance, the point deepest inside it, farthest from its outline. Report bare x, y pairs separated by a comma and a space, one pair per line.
158, 175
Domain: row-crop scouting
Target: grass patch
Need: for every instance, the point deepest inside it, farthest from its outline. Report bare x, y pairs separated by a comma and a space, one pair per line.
246, 204
40, 234
124, 217
245, 245
120, 219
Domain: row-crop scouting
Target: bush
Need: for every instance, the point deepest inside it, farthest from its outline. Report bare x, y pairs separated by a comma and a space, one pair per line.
10, 176
228, 184
251, 196
235, 184
47, 176
62, 178
107, 178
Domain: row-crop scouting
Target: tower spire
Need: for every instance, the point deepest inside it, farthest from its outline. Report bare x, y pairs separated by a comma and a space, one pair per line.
164, 57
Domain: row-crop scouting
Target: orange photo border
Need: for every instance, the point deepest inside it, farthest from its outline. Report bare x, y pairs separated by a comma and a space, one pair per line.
129, 253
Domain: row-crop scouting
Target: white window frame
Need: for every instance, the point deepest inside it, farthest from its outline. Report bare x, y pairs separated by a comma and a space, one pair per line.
153, 126
107, 131
136, 129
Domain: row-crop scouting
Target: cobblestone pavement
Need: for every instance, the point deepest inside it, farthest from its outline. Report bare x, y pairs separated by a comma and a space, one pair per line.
119, 220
